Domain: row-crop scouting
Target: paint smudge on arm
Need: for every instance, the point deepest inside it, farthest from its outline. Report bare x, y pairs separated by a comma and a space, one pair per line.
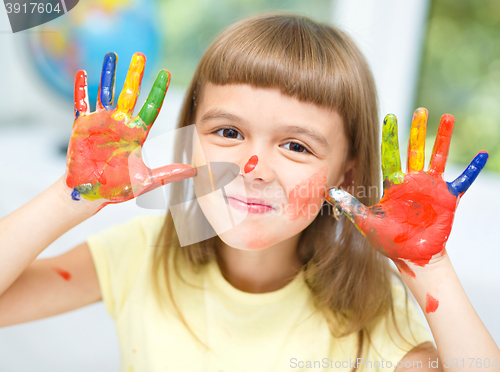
404, 268
63, 273
431, 304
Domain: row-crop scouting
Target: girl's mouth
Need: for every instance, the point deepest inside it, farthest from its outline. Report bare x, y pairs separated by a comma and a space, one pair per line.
251, 207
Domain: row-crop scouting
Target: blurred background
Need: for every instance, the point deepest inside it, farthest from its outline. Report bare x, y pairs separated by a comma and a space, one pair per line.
440, 54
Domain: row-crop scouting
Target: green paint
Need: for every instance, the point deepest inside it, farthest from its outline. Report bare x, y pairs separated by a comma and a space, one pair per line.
391, 160
152, 106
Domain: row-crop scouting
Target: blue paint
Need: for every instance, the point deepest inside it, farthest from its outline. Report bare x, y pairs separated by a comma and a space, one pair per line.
463, 182
75, 195
108, 80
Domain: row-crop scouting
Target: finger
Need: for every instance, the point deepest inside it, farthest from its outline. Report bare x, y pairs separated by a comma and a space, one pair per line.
347, 204
81, 96
441, 145
391, 160
106, 92
463, 182
416, 145
170, 173
152, 106
131, 88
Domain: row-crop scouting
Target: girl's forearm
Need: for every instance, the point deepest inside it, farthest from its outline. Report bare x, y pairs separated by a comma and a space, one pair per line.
26, 232
463, 342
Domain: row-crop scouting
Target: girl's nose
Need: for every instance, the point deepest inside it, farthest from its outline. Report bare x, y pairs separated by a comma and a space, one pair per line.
255, 168
251, 164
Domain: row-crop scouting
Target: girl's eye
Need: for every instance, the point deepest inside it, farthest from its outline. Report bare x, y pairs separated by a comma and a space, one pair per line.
296, 147
233, 134
229, 133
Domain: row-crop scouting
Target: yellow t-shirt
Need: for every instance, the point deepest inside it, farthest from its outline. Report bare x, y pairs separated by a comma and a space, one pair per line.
245, 331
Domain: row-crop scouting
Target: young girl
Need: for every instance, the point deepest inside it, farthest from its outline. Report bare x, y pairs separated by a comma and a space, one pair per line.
288, 284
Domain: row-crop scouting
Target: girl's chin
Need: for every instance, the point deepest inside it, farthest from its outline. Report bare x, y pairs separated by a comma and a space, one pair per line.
247, 240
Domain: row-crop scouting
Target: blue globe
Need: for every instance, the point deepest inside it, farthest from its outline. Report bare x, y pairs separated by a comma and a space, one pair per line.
80, 39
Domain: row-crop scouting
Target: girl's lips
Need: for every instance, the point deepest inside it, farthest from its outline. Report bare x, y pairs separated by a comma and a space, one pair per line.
248, 207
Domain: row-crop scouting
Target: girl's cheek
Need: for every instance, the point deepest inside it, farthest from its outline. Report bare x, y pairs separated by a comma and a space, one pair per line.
306, 198
198, 155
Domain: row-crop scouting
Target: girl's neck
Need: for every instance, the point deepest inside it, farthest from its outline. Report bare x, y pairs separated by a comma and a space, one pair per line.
259, 271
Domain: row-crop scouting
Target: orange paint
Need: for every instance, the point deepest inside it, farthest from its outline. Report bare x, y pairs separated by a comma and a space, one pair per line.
431, 304
66, 275
251, 164
308, 192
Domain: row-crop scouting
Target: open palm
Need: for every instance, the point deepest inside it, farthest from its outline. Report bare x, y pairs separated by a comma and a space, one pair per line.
104, 155
413, 220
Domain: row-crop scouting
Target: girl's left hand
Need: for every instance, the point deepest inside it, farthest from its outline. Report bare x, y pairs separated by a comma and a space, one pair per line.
413, 220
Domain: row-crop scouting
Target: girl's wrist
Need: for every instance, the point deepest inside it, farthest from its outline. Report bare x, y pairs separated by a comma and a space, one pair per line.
437, 265
78, 206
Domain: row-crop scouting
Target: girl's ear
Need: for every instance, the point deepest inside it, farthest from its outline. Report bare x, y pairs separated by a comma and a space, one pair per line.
349, 175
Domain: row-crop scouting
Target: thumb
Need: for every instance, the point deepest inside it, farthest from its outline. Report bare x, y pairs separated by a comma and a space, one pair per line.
167, 174
171, 173
348, 204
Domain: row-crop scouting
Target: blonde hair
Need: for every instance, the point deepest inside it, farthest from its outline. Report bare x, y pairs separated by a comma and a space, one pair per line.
315, 63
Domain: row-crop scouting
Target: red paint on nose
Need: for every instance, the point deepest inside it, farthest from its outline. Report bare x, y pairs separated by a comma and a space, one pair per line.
250, 165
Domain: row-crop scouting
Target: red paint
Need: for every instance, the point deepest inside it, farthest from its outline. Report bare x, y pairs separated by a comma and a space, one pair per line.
404, 268
66, 275
99, 154
80, 92
251, 164
441, 145
412, 220
306, 197
431, 304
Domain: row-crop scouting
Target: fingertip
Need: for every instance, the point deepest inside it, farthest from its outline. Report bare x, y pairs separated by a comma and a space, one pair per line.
164, 77
111, 56
80, 74
138, 56
421, 111
334, 193
448, 118
390, 118
480, 159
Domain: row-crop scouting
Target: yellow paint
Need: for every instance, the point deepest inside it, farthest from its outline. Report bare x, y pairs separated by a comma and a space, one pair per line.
131, 88
416, 149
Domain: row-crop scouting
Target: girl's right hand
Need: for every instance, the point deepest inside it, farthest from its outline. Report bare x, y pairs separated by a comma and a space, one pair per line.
104, 163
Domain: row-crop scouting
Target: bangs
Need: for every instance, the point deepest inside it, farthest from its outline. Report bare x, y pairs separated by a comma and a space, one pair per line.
300, 58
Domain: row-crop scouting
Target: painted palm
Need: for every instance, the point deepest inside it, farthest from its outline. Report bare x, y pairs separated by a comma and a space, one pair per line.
413, 220
103, 161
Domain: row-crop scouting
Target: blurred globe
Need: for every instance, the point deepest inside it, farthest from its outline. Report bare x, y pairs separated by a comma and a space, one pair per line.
80, 39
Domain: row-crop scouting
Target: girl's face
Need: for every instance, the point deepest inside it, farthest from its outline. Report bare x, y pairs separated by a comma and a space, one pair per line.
289, 153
